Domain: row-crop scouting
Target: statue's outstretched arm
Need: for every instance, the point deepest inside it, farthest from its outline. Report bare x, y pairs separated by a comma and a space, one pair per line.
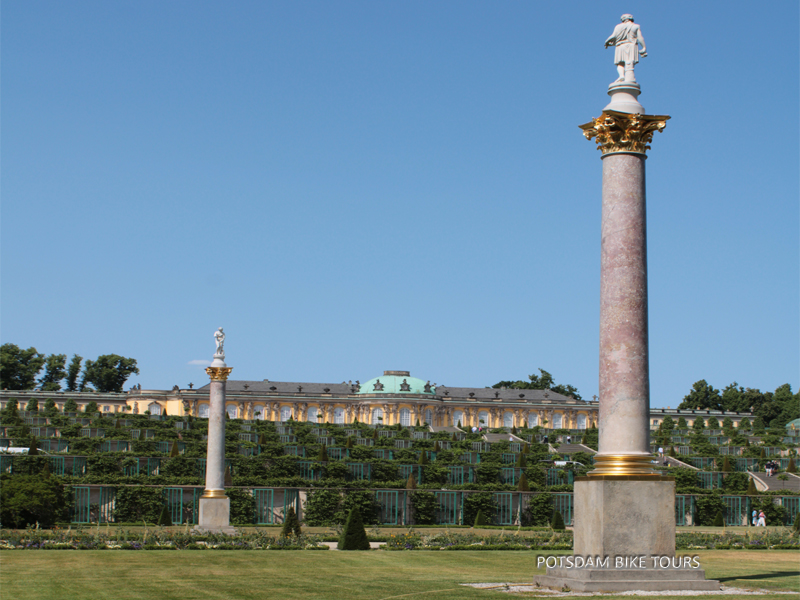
612, 39
640, 37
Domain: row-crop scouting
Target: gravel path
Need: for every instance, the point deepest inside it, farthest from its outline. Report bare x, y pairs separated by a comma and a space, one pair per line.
548, 593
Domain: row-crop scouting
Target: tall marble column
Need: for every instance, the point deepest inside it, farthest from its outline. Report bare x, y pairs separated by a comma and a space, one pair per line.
214, 504
623, 507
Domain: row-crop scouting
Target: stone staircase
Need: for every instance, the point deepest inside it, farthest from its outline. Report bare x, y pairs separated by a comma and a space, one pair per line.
572, 449
773, 484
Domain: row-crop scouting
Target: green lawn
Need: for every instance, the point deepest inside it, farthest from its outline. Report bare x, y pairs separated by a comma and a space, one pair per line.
187, 575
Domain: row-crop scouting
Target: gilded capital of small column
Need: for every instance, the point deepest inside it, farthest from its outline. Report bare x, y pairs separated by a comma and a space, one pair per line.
219, 373
617, 132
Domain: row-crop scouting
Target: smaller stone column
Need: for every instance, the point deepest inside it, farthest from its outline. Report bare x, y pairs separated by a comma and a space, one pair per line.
215, 506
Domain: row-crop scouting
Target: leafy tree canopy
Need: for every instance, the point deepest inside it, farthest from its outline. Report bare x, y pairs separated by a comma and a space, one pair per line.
18, 367
775, 408
72, 373
54, 371
544, 381
109, 372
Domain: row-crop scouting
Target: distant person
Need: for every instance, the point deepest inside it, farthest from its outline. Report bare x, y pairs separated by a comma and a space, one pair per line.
762, 519
755, 517
661, 451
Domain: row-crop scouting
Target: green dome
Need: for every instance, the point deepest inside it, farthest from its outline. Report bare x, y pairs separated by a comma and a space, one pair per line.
396, 382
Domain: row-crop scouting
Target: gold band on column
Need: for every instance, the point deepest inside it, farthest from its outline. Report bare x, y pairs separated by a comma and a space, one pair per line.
611, 465
214, 494
219, 373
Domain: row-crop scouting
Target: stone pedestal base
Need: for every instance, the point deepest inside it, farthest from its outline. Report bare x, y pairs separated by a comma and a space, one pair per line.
618, 517
215, 515
623, 580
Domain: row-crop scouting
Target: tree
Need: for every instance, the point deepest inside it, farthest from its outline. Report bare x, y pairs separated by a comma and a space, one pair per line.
523, 486
544, 381
558, 521
698, 424
33, 405
713, 423
109, 372
11, 412
54, 371
30, 499
411, 483
667, 424
73, 371
744, 424
480, 520
719, 520
727, 424
702, 397
291, 524
751, 488
50, 408
354, 536
682, 424
18, 368
91, 407
70, 405
165, 519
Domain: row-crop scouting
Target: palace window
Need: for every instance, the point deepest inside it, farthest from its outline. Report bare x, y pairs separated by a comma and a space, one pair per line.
231, 410
311, 415
429, 417
286, 413
508, 419
557, 421
338, 415
258, 412
377, 416
154, 408
581, 421
458, 418
483, 418
405, 417
203, 411
533, 420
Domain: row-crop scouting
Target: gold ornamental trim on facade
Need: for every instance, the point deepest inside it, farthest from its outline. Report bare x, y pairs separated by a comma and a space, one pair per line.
617, 132
219, 373
623, 465
214, 494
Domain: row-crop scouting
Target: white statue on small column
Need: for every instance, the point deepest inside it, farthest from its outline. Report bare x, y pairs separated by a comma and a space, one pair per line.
626, 38
219, 338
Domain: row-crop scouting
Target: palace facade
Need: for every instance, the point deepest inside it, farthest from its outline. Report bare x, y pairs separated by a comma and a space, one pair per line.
392, 398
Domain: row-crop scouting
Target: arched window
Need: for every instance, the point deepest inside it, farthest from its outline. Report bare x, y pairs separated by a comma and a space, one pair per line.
458, 419
377, 416
154, 408
311, 415
405, 417
581, 421
259, 412
533, 420
508, 419
203, 411
557, 421
429, 417
483, 418
286, 413
231, 410
338, 415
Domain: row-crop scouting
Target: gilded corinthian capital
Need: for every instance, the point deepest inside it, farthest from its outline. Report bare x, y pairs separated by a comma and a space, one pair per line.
219, 373
617, 132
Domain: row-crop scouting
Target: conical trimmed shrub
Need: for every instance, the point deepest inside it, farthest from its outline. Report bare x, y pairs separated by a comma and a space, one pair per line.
174, 452
558, 521
164, 518
523, 485
792, 467
349, 443
480, 520
375, 435
726, 466
411, 483
751, 488
719, 520
228, 477
323, 454
354, 536
291, 524
796, 526
521, 463
423, 458
33, 450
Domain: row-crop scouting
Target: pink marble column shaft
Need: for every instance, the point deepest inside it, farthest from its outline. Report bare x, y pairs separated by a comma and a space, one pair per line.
624, 370
215, 458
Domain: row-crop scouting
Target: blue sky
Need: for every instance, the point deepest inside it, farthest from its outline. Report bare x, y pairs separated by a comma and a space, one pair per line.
348, 187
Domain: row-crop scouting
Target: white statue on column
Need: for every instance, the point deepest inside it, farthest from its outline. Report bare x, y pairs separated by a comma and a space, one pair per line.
626, 38
219, 338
